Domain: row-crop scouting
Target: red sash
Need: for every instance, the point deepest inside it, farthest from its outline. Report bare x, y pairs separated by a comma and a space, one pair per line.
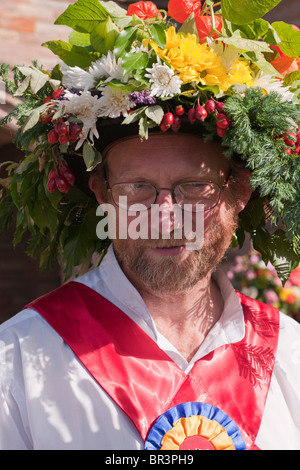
144, 381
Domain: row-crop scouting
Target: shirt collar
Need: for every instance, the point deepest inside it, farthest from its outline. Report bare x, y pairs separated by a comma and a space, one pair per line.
229, 329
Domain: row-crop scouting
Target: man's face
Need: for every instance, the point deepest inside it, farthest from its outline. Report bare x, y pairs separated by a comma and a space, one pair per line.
167, 264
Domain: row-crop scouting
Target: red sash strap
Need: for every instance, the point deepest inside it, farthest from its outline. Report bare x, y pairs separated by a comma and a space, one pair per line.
144, 381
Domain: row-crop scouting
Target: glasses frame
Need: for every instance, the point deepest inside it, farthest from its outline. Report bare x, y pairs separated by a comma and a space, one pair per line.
172, 189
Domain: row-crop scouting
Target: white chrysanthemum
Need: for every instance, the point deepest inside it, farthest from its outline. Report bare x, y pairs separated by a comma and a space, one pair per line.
163, 80
114, 102
108, 68
75, 77
271, 83
86, 108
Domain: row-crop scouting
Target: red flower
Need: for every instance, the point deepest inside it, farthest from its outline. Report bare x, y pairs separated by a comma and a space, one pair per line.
295, 277
144, 10
180, 10
204, 25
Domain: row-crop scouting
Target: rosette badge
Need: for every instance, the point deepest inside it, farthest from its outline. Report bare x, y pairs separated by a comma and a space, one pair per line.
218, 70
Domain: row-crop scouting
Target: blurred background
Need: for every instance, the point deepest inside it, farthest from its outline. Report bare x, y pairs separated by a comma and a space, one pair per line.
24, 26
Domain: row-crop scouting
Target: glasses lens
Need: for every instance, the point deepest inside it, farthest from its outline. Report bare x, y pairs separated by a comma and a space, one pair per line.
128, 194
204, 194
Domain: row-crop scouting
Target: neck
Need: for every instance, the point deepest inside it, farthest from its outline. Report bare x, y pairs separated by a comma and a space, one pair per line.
184, 318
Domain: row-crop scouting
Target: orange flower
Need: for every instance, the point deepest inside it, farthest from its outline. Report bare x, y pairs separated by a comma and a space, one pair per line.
144, 10
180, 10
204, 25
285, 64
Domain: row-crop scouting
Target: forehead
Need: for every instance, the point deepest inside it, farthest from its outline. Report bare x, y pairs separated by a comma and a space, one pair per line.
174, 154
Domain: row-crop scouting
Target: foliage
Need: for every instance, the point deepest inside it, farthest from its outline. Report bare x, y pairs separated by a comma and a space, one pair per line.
109, 68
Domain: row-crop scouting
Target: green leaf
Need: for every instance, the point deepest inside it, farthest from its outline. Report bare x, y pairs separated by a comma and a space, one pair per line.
189, 26
277, 249
289, 39
143, 128
155, 113
124, 41
135, 61
70, 54
104, 35
134, 116
83, 16
247, 44
91, 156
79, 39
113, 9
37, 78
33, 118
158, 35
290, 78
245, 11
23, 87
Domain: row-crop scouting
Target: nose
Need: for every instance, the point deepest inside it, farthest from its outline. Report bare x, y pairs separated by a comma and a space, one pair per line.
167, 218
165, 197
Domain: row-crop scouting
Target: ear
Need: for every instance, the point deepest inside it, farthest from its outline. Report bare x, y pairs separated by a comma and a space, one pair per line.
242, 189
96, 185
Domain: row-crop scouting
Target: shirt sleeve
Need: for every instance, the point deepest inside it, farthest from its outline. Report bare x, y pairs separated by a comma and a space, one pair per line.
14, 432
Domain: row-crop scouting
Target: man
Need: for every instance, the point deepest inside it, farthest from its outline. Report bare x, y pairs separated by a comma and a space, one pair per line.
176, 297
154, 349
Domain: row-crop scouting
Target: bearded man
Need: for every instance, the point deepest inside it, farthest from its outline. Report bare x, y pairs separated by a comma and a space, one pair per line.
154, 349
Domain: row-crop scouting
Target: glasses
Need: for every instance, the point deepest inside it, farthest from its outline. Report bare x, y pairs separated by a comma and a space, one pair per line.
200, 195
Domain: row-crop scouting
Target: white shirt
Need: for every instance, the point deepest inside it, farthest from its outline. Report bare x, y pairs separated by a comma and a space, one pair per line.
49, 401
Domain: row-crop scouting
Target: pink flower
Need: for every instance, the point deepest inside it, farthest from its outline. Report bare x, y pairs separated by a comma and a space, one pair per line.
271, 297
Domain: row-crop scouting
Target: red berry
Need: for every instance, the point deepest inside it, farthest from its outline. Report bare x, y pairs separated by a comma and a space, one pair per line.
52, 136
63, 138
221, 132
179, 110
163, 126
62, 128
46, 100
67, 174
192, 115
52, 174
288, 151
210, 106
298, 138
200, 113
46, 119
168, 119
220, 105
62, 185
74, 128
222, 120
51, 185
297, 150
55, 94
288, 139
176, 124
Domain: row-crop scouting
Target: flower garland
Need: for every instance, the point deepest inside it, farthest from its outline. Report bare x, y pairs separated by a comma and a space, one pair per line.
223, 67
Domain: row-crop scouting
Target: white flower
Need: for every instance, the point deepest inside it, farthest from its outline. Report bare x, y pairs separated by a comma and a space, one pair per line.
109, 68
163, 80
271, 83
75, 77
86, 108
114, 102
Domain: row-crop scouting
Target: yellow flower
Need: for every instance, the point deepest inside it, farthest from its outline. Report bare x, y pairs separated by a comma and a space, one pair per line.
192, 61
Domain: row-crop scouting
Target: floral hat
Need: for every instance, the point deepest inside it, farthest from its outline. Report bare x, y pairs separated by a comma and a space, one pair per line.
220, 70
